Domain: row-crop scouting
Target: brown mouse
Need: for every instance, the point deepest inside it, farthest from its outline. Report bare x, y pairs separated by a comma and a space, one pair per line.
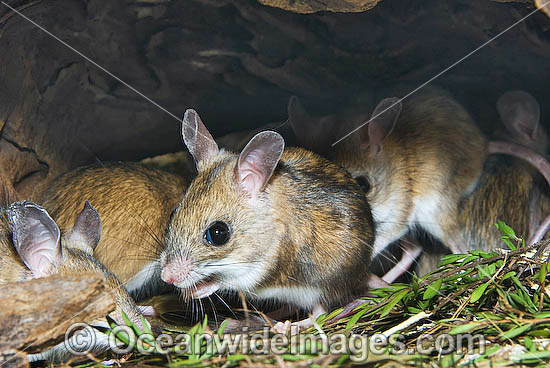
134, 202
31, 246
415, 159
515, 190
275, 223
429, 155
512, 189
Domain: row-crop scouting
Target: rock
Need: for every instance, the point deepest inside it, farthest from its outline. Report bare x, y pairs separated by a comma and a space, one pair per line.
312, 6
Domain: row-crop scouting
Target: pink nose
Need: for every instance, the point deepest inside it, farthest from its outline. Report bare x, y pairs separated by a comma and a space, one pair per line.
175, 271
167, 277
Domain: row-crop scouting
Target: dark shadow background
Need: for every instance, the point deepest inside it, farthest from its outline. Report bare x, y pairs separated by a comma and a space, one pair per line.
237, 63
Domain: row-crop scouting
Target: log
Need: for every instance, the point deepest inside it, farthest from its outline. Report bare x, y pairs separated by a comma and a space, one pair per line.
236, 62
36, 314
309, 6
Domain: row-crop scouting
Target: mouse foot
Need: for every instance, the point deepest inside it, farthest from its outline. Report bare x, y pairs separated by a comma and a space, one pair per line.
293, 328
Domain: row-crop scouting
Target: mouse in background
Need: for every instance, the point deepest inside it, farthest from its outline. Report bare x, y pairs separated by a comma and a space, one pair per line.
275, 223
515, 190
416, 162
520, 113
31, 246
135, 203
415, 159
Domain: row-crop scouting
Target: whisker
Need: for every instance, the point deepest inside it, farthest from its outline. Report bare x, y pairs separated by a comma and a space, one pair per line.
227, 306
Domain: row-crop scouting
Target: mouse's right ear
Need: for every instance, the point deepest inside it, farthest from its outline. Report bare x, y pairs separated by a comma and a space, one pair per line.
258, 160
520, 113
198, 139
35, 237
86, 231
382, 121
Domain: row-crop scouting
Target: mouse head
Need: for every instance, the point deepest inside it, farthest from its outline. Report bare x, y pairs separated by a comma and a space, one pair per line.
38, 242
520, 113
37, 239
219, 237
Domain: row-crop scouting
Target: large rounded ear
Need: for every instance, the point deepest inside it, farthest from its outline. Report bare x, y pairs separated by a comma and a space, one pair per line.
520, 113
382, 121
197, 138
258, 160
35, 237
86, 231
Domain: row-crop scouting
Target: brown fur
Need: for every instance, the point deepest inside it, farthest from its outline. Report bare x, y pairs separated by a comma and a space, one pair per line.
506, 190
509, 190
311, 227
433, 157
134, 203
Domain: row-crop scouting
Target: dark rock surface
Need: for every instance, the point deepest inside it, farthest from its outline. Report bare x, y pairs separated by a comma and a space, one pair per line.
236, 62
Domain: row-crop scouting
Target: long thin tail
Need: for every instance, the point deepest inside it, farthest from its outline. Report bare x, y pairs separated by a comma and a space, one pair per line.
526, 154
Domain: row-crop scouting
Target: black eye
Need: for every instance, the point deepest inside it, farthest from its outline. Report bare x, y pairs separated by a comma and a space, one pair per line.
217, 234
363, 183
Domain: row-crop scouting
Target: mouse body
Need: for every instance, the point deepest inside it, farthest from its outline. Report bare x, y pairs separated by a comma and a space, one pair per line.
415, 159
134, 202
275, 223
511, 189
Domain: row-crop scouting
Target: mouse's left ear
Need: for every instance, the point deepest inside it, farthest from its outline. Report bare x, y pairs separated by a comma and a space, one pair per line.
383, 120
35, 237
520, 113
258, 160
86, 231
197, 138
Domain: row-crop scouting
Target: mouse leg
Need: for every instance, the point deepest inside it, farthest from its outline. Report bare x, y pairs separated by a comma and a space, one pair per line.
373, 282
536, 231
294, 327
410, 253
348, 310
253, 323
